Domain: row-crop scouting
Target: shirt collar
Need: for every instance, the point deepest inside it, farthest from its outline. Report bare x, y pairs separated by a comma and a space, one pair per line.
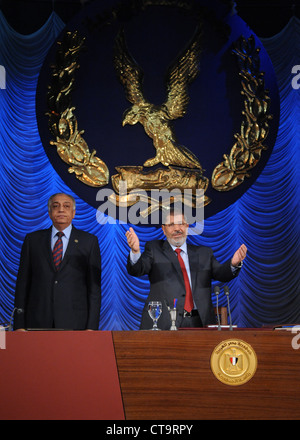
67, 231
183, 247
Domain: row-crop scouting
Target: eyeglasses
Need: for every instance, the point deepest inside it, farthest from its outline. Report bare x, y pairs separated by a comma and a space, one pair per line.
171, 225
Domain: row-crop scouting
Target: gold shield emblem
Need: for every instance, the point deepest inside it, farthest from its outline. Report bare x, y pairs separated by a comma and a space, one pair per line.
233, 362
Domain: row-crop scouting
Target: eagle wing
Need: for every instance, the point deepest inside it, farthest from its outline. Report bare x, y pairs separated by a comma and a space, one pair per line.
183, 71
129, 73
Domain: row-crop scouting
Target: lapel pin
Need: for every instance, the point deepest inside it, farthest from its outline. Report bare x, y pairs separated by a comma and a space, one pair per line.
76, 241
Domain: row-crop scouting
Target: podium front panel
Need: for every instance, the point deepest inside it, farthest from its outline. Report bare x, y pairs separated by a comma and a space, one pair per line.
59, 375
168, 376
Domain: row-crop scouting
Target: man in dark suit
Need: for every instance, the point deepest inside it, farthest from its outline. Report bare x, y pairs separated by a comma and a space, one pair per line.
169, 280
59, 278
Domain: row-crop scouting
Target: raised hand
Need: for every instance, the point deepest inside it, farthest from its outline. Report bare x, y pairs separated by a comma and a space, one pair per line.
239, 255
133, 241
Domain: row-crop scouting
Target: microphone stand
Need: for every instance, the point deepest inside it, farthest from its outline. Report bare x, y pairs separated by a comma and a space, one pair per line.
217, 291
16, 309
226, 291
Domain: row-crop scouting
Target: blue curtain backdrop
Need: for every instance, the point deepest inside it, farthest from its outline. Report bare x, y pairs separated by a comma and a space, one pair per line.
266, 218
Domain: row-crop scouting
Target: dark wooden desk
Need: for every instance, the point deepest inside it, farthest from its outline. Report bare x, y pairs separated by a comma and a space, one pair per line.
167, 376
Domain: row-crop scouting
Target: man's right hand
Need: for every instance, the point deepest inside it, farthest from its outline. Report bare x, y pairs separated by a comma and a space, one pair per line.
133, 241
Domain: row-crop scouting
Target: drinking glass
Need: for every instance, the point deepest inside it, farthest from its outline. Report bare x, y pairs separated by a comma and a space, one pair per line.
154, 310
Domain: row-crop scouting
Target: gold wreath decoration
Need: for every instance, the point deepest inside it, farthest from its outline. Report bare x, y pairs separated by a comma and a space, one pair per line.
246, 152
91, 170
71, 146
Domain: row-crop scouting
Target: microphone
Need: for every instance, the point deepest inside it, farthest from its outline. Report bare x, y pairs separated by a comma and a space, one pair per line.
16, 309
217, 291
226, 291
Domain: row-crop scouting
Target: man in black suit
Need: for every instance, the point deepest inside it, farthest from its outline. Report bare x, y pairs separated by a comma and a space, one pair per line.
61, 291
169, 280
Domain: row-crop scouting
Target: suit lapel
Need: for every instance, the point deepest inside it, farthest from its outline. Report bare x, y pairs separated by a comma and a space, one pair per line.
73, 242
171, 255
193, 262
47, 247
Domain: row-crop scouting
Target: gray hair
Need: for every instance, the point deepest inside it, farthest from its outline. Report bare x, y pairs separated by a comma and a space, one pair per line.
61, 194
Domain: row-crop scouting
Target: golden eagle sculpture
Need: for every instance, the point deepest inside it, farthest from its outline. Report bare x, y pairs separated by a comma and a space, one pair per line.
157, 120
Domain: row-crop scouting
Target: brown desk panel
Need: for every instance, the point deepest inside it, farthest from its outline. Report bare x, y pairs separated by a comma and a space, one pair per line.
167, 376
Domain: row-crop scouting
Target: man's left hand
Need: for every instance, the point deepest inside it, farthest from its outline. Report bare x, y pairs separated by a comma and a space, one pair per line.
239, 255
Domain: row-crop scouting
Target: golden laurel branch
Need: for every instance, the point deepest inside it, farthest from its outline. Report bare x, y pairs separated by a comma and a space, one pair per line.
71, 146
246, 152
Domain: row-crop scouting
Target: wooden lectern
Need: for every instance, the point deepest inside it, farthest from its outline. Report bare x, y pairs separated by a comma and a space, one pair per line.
146, 375
167, 376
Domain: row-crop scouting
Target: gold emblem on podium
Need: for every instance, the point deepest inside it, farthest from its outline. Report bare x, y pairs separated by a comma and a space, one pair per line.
233, 362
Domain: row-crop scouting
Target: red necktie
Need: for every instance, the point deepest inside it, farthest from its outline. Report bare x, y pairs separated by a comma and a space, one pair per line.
58, 250
189, 303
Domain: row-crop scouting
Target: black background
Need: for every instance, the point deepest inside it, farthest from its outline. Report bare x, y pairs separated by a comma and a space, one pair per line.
265, 17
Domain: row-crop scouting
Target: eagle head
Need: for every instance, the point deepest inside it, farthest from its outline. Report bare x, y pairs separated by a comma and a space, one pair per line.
131, 116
